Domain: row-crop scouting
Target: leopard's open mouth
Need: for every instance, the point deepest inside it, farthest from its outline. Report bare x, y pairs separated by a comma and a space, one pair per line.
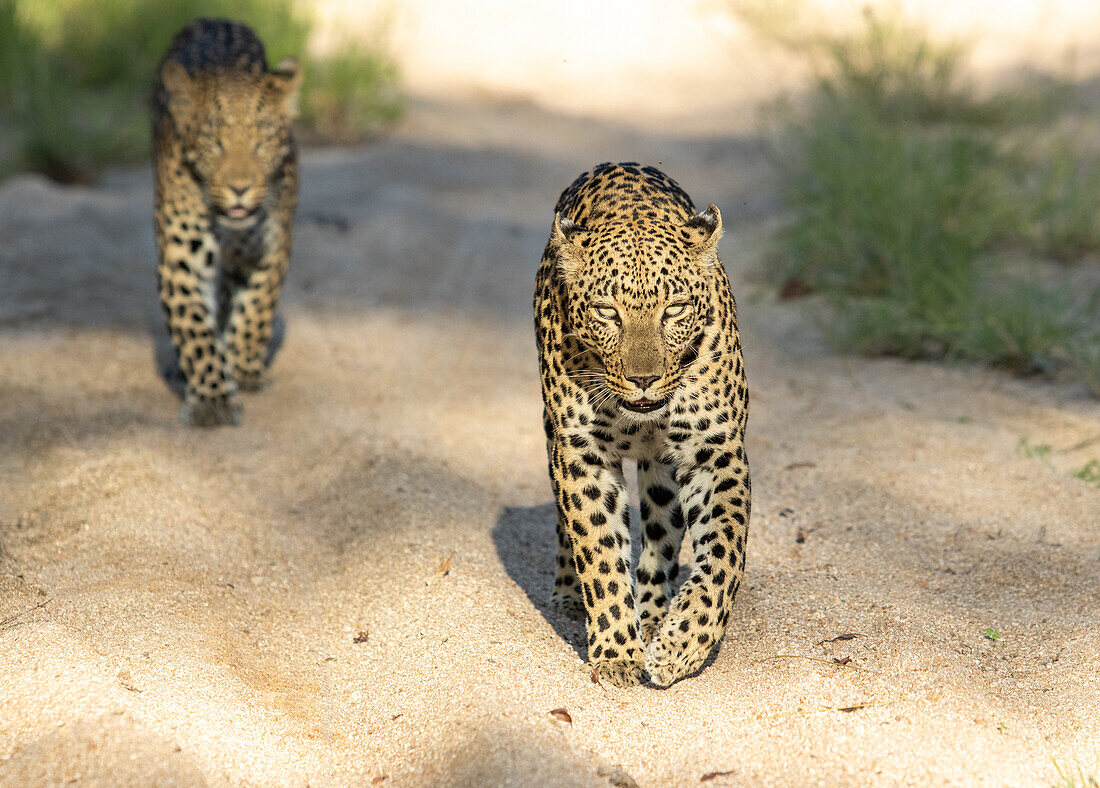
644, 405
239, 213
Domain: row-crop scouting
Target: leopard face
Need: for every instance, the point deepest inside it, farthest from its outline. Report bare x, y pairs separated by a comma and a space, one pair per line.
637, 298
235, 127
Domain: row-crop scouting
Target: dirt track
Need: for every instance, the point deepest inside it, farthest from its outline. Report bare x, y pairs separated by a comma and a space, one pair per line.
185, 607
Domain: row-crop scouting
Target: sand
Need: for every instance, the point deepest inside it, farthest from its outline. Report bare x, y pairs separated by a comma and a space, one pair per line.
352, 587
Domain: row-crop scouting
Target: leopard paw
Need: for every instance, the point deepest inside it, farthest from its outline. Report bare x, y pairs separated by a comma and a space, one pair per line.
619, 672
251, 381
213, 412
671, 656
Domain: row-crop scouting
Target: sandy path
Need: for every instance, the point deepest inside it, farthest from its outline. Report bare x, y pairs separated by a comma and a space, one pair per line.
199, 594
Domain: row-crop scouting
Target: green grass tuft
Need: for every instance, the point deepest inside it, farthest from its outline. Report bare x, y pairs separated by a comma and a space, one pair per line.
910, 195
1074, 777
1084, 357
1089, 472
350, 94
75, 77
1026, 449
1066, 210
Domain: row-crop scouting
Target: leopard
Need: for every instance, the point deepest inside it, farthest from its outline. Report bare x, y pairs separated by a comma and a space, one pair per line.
640, 359
225, 169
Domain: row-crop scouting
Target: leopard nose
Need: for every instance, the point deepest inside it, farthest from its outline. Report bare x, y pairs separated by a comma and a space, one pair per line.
238, 189
643, 382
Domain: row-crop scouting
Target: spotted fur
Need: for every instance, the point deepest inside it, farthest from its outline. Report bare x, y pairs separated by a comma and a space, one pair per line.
226, 176
640, 357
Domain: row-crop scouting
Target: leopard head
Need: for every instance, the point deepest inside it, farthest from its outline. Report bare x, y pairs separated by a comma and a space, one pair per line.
637, 297
236, 130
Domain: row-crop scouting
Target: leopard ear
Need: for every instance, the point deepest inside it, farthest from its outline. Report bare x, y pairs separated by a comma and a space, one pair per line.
703, 232
180, 89
286, 80
566, 239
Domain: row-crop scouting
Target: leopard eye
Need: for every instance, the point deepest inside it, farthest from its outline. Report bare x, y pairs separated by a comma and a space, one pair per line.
676, 310
606, 312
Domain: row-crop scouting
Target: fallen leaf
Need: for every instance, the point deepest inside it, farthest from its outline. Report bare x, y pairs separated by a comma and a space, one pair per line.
444, 567
845, 636
616, 776
992, 634
595, 676
800, 536
362, 637
857, 707
396, 717
844, 661
379, 779
794, 466
714, 776
126, 681
561, 714
834, 661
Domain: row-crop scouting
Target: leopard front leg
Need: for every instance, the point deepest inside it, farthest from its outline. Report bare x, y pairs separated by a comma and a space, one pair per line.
251, 318
715, 495
250, 324
662, 531
186, 279
592, 505
567, 588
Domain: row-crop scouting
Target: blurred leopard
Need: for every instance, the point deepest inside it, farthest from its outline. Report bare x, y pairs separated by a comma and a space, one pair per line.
226, 186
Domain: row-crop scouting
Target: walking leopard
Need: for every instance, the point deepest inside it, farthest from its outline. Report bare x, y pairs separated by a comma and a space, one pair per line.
226, 186
640, 356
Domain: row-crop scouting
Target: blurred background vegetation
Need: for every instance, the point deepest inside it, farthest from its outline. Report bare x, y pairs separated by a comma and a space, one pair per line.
930, 219
76, 76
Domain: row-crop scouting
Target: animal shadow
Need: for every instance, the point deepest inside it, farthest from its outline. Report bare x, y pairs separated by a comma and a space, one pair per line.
526, 544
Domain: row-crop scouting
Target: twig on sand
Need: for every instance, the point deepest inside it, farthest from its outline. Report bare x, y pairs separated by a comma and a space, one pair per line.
22, 613
770, 719
715, 775
857, 706
832, 662
844, 636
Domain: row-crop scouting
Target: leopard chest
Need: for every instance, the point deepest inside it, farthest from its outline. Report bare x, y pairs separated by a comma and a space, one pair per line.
615, 434
244, 245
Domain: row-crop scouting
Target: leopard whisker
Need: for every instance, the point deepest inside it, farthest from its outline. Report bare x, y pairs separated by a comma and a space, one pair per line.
580, 352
